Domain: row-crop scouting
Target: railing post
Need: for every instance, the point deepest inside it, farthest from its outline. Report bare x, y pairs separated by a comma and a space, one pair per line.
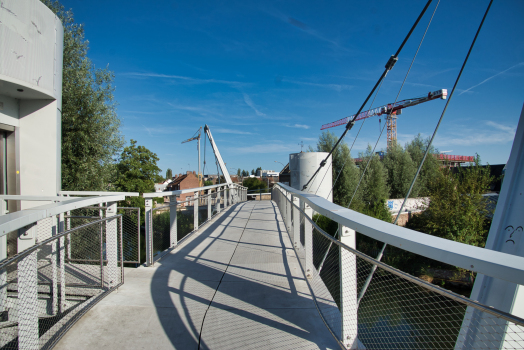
226, 196
209, 212
28, 297
149, 231
308, 237
296, 221
218, 200
195, 211
173, 235
348, 288
3, 255
61, 268
289, 210
112, 246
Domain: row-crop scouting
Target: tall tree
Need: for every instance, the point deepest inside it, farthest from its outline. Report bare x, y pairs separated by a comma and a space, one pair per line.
91, 138
169, 174
239, 172
137, 169
401, 170
430, 170
375, 190
345, 172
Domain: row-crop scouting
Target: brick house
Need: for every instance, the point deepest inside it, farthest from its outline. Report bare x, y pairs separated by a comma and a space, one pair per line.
183, 182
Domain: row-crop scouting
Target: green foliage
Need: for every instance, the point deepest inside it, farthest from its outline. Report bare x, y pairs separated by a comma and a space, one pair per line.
252, 183
342, 160
208, 183
239, 172
90, 126
374, 187
430, 170
245, 172
457, 210
253, 172
169, 173
401, 169
137, 169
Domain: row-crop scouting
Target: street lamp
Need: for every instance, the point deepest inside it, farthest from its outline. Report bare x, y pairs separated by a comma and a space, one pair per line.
280, 163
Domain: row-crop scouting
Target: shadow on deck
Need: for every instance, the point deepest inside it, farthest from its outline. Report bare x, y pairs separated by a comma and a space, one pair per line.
237, 284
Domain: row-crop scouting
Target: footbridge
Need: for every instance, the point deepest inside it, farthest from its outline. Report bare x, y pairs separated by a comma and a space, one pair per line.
223, 272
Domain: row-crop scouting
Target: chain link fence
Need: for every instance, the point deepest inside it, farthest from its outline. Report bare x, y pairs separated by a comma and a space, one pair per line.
49, 286
396, 310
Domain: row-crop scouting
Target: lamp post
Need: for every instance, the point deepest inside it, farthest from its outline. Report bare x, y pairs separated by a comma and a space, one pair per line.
280, 163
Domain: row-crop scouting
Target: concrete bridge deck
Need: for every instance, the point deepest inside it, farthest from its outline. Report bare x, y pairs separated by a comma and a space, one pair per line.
236, 284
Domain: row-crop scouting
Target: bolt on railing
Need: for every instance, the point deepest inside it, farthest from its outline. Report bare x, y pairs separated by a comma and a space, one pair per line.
399, 310
161, 234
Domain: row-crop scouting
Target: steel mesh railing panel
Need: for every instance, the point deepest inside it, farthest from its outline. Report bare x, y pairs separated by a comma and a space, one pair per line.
130, 234
43, 292
397, 311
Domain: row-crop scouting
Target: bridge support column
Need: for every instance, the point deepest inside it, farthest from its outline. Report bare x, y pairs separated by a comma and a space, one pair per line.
112, 246
195, 211
149, 231
28, 298
308, 236
209, 211
296, 221
173, 234
348, 288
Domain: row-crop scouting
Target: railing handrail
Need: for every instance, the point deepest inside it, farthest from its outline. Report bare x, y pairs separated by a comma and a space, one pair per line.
488, 262
18, 197
187, 190
98, 193
14, 221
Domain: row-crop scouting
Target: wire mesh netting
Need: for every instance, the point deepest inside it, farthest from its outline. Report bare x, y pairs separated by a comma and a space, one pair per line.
47, 287
130, 228
397, 310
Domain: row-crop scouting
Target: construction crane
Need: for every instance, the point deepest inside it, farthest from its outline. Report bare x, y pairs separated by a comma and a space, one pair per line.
391, 111
197, 137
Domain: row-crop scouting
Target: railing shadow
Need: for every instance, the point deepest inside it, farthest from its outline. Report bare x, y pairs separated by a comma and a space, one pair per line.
204, 300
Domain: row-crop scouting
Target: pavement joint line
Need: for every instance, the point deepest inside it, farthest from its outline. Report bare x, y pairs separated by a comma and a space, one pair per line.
220, 282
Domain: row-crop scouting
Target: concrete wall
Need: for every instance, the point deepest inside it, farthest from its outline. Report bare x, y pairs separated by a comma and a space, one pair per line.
31, 38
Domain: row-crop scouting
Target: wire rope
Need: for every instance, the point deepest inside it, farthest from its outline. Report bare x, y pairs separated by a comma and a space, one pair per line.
389, 65
379, 257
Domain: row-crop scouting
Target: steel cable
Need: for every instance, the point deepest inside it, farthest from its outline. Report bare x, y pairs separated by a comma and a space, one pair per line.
366, 284
389, 65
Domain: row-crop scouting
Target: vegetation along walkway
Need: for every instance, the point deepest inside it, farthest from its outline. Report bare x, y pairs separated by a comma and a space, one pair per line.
236, 285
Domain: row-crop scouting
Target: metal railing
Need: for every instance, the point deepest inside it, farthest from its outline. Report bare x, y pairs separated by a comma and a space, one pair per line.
398, 310
168, 225
47, 287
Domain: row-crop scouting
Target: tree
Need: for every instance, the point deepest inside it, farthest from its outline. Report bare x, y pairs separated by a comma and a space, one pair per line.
375, 190
257, 171
91, 139
401, 170
430, 170
245, 173
169, 174
253, 172
208, 183
344, 165
252, 184
457, 210
239, 172
137, 169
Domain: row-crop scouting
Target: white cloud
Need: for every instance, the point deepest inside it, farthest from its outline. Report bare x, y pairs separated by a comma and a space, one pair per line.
336, 87
298, 126
265, 148
493, 76
250, 103
231, 131
496, 134
186, 79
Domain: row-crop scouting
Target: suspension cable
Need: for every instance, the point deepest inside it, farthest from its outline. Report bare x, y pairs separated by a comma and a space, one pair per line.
381, 132
389, 65
379, 257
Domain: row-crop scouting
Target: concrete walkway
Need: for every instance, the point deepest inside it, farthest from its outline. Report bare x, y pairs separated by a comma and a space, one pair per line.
236, 285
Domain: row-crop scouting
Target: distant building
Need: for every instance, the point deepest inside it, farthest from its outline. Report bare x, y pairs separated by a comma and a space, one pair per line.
267, 173
183, 182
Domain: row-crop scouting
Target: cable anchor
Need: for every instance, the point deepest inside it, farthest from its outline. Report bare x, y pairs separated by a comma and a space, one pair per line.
391, 62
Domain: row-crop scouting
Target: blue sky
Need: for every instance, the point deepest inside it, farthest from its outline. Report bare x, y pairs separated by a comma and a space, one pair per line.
266, 75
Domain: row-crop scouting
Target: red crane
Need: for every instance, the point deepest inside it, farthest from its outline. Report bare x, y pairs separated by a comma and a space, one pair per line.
391, 110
